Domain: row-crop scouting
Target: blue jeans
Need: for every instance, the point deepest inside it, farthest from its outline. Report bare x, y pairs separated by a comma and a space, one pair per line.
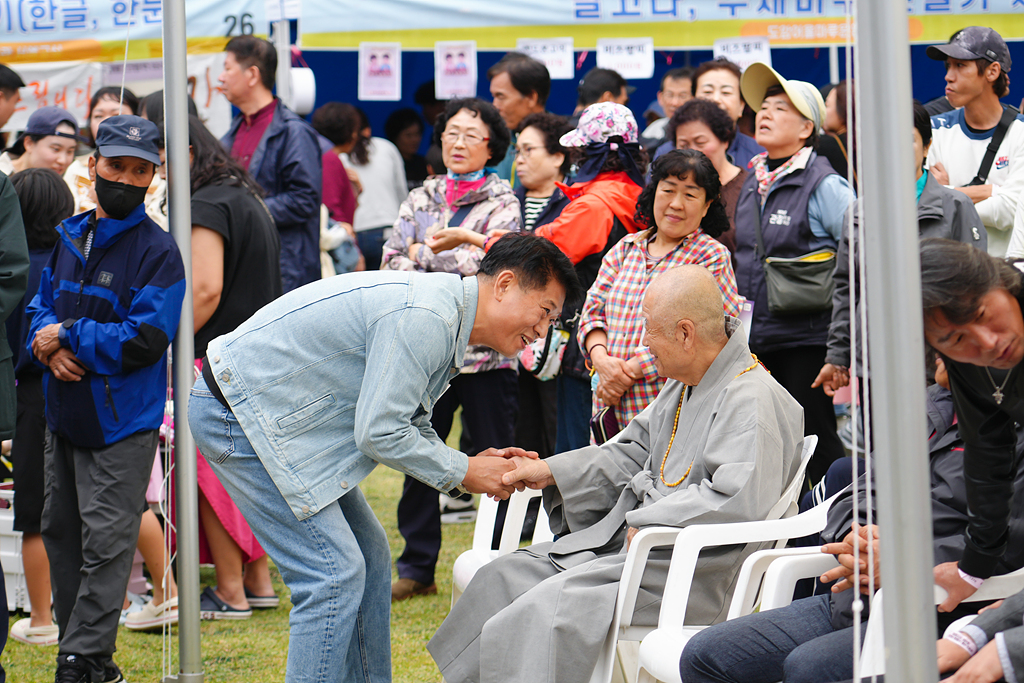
793, 644
371, 244
336, 563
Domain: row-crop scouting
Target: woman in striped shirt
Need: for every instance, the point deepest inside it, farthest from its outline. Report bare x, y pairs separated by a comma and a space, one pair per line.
682, 205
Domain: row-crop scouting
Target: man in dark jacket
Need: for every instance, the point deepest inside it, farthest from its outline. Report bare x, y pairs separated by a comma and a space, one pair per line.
281, 152
107, 307
812, 639
941, 212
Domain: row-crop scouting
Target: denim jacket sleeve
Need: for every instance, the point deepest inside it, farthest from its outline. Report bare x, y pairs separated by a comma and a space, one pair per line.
408, 349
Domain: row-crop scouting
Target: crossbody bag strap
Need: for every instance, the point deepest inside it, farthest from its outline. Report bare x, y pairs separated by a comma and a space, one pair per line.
993, 146
460, 215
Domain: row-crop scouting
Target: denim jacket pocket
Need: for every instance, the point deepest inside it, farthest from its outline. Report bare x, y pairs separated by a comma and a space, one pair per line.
306, 417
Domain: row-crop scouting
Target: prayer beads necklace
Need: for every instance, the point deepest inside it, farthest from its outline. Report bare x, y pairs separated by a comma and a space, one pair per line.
675, 426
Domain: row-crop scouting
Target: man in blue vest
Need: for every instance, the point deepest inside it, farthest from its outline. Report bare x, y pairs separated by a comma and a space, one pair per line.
107, 307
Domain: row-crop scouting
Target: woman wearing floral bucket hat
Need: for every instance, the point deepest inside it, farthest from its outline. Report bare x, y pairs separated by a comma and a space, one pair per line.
610, 175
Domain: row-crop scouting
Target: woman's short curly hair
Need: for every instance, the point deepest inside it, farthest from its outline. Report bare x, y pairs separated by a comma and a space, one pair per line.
552, 127
680, 163
707, 112
488, 114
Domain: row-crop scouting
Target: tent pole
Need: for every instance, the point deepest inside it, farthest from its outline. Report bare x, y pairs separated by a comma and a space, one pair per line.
282, 41
896, 340
180, 218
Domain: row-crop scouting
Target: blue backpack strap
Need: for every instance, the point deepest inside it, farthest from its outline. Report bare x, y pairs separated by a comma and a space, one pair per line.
460, 215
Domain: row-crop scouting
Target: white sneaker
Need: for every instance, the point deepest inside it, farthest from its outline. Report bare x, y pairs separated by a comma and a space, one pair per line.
135, 604
153, 616
455, 510
24, 632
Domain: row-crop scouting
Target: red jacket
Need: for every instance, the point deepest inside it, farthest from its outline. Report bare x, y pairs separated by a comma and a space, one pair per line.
584, 225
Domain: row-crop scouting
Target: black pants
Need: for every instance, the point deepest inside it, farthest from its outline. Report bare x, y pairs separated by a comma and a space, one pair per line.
94, 503
537, 426
795, 369
489, 403
27, 457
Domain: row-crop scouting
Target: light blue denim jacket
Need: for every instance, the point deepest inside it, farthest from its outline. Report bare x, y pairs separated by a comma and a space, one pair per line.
342, 374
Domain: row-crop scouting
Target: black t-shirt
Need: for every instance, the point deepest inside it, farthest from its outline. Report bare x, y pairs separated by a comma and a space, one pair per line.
252, 255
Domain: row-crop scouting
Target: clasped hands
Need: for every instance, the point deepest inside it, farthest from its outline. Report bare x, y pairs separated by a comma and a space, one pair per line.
500, 471
64, 365
616, 375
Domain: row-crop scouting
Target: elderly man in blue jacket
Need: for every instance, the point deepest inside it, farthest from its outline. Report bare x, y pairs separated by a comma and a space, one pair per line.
107, 307
281, 152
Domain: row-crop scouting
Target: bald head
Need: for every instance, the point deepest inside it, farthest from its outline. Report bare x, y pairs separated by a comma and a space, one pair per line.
688, 293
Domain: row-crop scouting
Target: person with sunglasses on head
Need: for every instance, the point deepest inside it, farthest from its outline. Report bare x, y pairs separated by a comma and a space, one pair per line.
466, 204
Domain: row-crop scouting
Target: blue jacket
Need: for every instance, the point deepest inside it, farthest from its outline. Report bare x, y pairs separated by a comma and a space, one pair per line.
332, 379
287, 166
120, 310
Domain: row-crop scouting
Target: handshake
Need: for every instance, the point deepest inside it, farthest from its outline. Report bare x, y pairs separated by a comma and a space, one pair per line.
500, 471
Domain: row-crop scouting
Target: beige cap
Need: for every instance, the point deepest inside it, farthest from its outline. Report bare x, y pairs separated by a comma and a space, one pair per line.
807, 99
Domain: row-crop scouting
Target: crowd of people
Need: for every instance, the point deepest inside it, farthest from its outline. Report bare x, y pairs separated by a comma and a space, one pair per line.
572, 283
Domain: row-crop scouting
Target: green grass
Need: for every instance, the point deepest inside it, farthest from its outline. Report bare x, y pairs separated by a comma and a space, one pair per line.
257, 648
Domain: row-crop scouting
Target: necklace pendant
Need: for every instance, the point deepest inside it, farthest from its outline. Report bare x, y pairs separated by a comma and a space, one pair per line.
998, 395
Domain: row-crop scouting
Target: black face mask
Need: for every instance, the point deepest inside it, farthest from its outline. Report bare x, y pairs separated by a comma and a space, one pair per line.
118, 199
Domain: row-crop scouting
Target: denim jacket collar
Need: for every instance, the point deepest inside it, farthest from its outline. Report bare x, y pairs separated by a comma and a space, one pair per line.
470, 298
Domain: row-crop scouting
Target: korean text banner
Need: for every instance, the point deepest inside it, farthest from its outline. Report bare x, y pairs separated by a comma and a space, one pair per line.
417, 24
59, 30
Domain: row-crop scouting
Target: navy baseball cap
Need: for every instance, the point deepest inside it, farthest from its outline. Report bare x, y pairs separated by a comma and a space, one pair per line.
129, 136
44, 121
974, 42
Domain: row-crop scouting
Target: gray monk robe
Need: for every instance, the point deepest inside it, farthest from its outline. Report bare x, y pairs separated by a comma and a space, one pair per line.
542, 613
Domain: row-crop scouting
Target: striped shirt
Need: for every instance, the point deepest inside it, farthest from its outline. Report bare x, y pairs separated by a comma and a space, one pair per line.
614, 300
532, 209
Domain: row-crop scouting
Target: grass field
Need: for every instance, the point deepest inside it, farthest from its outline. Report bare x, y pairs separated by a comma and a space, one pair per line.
257, 648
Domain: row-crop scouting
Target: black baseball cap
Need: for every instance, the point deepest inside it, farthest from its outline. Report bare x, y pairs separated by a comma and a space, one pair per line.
44, 121
974, 42
129, 136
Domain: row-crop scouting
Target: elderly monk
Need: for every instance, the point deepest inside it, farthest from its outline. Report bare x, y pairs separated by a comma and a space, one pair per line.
719, 444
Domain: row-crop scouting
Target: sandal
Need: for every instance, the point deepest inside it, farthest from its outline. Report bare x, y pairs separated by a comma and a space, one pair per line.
212, 607
262, 601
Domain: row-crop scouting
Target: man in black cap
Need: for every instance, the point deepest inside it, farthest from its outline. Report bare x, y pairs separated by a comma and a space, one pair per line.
977, 68
107, 307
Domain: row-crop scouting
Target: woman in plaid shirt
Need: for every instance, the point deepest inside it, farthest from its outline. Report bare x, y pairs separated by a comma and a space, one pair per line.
682, 204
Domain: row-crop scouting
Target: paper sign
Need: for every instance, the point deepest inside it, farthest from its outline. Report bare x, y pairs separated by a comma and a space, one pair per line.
554, 53
283, 9
744, 51
631, 57
380, 71
455, 69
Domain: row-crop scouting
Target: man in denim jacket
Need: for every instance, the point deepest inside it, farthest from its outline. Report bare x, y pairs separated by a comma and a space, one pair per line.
302, 401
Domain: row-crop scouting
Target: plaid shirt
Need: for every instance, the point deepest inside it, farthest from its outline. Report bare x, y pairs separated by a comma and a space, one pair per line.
614, 300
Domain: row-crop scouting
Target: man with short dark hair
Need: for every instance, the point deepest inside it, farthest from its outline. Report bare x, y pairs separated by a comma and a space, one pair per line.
676, 89
977, 67
519, 87
281, 152
602, 85
303, 400
106, 309
10, 83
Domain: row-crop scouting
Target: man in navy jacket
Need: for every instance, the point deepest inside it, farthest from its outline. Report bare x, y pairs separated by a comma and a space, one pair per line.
107, 307
281, 152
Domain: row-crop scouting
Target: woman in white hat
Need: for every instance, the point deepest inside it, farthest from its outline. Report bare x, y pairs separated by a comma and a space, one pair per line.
793, 204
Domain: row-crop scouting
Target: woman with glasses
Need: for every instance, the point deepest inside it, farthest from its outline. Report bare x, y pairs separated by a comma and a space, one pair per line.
472, 134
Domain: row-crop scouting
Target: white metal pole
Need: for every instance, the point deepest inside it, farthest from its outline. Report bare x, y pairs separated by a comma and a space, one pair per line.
896, 340
282, 41
179, 213
833, 64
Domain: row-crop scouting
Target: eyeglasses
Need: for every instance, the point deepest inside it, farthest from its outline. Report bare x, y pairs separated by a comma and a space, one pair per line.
526, 150
471, 137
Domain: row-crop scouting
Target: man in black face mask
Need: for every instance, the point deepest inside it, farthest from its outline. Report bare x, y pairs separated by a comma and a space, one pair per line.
107, 307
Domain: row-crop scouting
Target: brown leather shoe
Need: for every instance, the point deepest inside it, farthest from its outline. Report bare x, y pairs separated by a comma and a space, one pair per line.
407, 588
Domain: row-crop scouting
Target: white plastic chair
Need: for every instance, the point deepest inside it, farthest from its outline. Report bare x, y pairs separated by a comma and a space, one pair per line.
467, 564
779, 525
